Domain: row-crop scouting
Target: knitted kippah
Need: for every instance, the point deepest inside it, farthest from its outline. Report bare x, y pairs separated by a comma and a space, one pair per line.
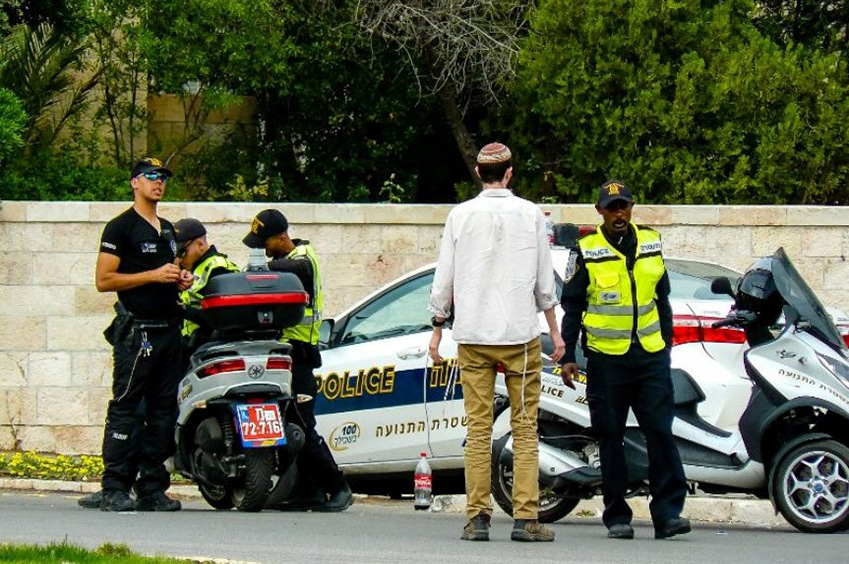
494, 153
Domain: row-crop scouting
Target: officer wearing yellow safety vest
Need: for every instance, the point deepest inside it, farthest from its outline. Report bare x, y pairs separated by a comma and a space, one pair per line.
270, 231
204, 262
617, 287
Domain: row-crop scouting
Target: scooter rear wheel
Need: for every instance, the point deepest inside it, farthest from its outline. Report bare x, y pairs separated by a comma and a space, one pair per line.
811, 487
251, 493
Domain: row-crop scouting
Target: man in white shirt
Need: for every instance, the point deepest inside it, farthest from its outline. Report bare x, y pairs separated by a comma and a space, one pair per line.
495, 269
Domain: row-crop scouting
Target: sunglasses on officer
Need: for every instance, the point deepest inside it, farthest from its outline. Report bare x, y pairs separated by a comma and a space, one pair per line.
154, 176
181, 252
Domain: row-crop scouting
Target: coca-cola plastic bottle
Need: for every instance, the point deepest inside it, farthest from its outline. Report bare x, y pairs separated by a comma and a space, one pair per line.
549, 228
423, 484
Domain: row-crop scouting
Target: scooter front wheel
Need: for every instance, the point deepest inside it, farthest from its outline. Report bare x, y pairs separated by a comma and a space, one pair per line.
811, 487
552, 506
251, 492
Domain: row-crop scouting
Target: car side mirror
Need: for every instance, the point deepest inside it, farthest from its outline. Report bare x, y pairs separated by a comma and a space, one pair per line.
325, 331
566, 235
722, 285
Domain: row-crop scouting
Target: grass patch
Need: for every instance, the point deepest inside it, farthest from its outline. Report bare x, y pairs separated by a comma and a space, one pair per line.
69, 554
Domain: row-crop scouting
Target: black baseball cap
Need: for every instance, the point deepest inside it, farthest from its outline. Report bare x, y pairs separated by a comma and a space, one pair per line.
611, 191
186, 231
149, 164
267, 223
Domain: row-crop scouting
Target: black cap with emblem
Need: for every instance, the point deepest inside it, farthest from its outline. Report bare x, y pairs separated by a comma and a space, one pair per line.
149, 164
267, 223
613, 190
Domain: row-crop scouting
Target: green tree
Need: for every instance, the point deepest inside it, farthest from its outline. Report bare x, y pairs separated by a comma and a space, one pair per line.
13, 120
119, 45
814, 23
684, 100
462, 52
63, 14
337, 114
41, 67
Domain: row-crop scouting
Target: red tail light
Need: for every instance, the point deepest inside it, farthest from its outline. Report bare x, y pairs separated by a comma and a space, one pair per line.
843, 328
278, 363
686, 329
232, 365
584, 229
693, 329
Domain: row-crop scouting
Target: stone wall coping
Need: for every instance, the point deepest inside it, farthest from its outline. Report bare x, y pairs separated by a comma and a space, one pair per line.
420, 214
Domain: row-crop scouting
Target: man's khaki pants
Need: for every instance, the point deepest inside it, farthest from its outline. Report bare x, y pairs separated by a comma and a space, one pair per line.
478, 367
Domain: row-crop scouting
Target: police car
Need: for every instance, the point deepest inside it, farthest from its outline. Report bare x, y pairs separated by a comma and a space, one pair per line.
381, 402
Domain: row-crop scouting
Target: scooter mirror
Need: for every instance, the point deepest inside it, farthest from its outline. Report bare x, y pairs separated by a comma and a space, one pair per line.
324, 333
722, 285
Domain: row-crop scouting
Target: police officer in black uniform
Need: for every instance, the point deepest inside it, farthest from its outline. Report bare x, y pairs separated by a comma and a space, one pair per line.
270, 231
137, 260
617, 287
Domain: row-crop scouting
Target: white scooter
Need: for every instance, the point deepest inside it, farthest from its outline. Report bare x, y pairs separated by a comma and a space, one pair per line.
232, 435
782, 429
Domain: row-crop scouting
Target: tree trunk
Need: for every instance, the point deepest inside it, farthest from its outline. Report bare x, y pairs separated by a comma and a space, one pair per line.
464, 140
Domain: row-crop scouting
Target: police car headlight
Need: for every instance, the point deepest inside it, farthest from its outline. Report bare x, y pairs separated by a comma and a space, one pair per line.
836, 367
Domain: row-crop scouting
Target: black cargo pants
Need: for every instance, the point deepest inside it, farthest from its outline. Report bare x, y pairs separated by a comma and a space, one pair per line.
146, 367
641, 381
315, 459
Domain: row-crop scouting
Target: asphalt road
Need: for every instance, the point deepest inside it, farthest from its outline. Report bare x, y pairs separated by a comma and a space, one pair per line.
390, 532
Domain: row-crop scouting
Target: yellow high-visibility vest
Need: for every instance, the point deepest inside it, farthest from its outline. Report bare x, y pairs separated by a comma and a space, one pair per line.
617, 296
193, 296
307, 330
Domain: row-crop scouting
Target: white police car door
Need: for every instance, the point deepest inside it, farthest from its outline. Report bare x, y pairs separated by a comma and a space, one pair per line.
370, 407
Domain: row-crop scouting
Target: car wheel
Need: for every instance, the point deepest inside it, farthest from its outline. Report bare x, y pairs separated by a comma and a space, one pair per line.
552, 506
811, 487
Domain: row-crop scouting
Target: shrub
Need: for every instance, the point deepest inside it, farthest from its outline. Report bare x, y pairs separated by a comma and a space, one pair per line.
61, 176
46, 467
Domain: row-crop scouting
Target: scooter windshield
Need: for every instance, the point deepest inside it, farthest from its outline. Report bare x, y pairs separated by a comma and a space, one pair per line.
800, 297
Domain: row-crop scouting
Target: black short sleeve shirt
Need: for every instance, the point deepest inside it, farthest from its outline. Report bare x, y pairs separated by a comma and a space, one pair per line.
136, 242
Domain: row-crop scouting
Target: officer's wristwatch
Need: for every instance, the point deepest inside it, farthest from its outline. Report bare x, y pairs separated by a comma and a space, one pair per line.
436, 323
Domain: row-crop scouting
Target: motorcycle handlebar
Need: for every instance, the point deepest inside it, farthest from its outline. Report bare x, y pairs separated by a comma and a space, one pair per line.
740, 318
726, 322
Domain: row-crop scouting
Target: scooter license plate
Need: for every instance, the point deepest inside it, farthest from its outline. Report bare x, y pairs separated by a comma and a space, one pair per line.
260, 425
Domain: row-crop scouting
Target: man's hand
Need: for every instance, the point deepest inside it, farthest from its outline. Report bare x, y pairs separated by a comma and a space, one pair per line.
569, 372
559, 346
166, 274
186, 280
433, 348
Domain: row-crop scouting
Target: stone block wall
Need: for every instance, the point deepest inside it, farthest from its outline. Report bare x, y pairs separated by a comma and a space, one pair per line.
55, 367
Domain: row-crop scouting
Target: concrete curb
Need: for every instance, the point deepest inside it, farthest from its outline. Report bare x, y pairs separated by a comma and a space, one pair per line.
745, 510
705, 508
179, 491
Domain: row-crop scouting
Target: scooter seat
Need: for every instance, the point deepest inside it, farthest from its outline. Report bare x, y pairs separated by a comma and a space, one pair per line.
685, 389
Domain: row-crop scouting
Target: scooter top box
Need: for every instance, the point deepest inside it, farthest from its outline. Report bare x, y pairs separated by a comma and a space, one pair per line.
254, 300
